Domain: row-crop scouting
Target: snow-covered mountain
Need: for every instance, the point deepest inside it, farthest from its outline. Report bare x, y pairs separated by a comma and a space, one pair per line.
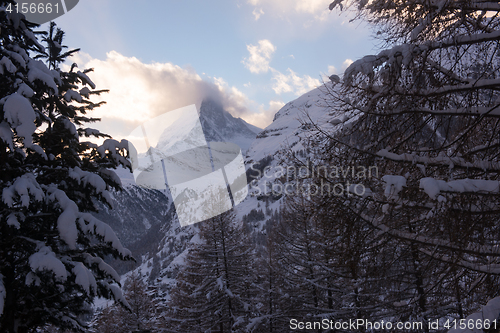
289, 130
290, 124
144, 219
218, 126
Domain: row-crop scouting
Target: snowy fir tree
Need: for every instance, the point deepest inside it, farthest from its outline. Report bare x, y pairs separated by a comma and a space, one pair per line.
51, 247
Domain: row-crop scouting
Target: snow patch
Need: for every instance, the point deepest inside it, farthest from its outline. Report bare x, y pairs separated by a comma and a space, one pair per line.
46, 260
39, 71
21, 116
84, 278
433, 186
66, 222
393, 185
23, 186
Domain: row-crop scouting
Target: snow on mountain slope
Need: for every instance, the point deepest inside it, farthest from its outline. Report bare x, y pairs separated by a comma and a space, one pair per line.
288, 126
290, 129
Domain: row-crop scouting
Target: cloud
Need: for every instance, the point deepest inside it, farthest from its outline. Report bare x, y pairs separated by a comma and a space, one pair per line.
292, 83
260, 56
300, 6
309, 6
258, 62
140, 91
346, 64
304, 12
333, 70
265, 115
257, 13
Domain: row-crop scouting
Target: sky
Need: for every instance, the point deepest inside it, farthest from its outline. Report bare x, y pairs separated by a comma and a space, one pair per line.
252, 56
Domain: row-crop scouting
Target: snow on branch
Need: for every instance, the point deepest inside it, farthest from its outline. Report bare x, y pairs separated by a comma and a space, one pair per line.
92, 180
393, 185
117, 293
476, 249
72, 95
114, 147
23, 187
46, 260
39, 71
85, 278
103, 267
459, 40
66, 222
433, 186
402, 55
7, 64
87, 132
441, 160
17, 56
20, 115
85, 79
88, 223
6, 134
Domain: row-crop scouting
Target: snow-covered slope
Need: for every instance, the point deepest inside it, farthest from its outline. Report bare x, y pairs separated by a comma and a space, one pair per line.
289, 124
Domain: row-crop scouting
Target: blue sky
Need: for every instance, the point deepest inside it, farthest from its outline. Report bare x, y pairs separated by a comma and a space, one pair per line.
252, 55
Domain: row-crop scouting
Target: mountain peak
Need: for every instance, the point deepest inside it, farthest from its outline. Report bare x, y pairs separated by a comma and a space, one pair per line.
220, 126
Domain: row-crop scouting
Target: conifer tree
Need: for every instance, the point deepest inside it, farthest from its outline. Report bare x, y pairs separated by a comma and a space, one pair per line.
51, 248
140, 316
213, 291
425, 112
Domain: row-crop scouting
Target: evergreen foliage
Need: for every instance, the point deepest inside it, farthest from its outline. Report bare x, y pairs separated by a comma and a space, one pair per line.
214, 290
51, 248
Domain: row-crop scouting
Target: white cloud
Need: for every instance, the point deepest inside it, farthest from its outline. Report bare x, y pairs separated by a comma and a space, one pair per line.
260, 56
140, 91
291, 82
257, 13
310, 6
301, 6
346, 64
332, 70
265, 115
303, 12
294, 18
